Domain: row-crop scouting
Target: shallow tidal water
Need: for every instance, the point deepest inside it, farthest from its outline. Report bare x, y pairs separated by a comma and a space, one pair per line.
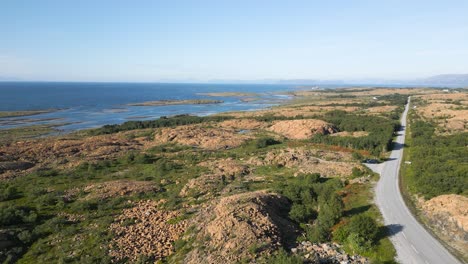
88, 105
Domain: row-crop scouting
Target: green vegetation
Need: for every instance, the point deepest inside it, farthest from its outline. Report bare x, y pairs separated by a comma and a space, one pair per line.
33, 207
21, 133
316, 205
359, 210
438, 162
8, 192
360, 233
50, 218
282, 257
381, 131
4, 114
158, 123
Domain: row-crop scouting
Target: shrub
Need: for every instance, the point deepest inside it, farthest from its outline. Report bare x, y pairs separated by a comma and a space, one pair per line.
282, 257
12, 215
360, 233
158, 123
356, 172
364, 226
265, 142
8, 192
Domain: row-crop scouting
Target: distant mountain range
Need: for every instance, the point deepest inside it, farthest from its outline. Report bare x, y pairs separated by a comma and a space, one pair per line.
443, 80
447, 80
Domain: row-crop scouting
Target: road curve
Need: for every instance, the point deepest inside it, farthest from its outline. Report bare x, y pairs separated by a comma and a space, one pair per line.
412, 242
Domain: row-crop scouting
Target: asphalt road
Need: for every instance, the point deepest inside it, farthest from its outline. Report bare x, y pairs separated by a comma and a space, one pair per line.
412, 242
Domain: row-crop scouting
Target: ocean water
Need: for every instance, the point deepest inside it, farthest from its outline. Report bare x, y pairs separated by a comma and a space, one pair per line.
88, 105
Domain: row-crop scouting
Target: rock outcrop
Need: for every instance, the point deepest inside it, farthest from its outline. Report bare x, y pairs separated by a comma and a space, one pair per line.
326, 253
203, 137
242, 227
24, 156
145, 230
449, 214
245, 124
302, 129
222, 172
307, 161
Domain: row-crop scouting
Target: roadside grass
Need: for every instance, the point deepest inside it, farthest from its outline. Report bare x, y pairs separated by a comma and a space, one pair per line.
359, 200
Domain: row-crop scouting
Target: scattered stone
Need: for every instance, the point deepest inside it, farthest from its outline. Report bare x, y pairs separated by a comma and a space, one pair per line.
327, 253
241, 227
145, 230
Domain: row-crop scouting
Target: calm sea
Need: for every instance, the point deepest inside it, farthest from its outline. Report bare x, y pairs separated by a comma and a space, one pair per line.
87, 105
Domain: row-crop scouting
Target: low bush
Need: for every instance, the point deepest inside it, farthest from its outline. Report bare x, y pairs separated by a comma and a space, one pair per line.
158, 123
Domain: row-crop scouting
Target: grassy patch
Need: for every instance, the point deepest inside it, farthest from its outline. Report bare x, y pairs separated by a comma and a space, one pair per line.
21, 133
358, 201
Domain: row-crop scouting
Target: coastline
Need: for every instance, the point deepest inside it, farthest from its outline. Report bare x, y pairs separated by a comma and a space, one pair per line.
8, 114
177, 102
79, 118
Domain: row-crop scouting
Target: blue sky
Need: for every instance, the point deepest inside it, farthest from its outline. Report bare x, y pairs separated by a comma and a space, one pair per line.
241, 40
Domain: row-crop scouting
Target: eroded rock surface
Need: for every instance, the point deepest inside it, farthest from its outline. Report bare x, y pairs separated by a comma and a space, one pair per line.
449, 213
306, 161
302, 129
145, 230
203, 137
242, 227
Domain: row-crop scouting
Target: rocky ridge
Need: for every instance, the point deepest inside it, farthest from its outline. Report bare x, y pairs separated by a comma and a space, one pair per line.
302, 129
146, 231
306, 161
241, 227
448, 215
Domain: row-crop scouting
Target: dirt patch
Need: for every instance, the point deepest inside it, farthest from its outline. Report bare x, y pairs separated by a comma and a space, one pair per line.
203, 137
350, 134
242, 227
382, 109
303, 128
145, 231
448, 110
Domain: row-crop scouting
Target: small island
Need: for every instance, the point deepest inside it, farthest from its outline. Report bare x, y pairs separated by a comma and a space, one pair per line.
4, 114
228, 94
177, 102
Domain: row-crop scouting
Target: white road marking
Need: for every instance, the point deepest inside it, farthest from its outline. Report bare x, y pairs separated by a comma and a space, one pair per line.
414, 248
403, 233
